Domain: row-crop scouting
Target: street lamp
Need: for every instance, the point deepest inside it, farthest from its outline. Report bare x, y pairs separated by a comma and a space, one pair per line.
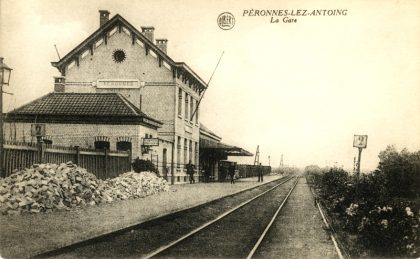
5, 72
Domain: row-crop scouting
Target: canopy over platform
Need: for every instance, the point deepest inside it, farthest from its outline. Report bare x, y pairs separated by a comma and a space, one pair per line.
219, 147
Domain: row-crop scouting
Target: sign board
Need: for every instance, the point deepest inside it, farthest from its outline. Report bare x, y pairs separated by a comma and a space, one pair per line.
360, 141
118, 83
150, 142
38, 130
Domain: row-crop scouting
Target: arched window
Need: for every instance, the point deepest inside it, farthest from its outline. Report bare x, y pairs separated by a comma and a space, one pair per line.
47, 141
102, 144
123, 145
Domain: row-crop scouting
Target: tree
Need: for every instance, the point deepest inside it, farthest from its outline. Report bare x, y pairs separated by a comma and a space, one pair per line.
400, 171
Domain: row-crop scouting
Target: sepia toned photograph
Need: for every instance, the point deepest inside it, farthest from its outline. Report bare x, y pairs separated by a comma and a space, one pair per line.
209, 129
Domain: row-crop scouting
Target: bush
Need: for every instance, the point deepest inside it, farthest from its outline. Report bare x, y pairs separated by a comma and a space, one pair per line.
379, 208
141, 165
333, 185
390, 231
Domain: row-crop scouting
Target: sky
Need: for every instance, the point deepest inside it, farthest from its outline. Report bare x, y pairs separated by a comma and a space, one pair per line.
301, 90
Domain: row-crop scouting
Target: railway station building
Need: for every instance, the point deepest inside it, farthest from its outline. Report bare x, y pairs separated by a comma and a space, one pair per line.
117, 86
121, 65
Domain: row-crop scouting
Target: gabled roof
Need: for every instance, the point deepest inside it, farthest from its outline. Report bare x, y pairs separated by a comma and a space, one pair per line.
118, 20
108, 108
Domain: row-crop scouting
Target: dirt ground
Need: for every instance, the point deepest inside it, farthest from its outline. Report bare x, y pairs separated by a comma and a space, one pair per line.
298, 231
28, 235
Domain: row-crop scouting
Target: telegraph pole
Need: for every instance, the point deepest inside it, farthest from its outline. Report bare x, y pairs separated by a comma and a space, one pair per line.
208, 84
257, 156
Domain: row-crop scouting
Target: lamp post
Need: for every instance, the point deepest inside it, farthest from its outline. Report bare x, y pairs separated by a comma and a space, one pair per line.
5, 72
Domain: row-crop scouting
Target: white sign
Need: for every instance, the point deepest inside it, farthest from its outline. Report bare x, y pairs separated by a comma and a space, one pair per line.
150, 142
360, 141
118, 83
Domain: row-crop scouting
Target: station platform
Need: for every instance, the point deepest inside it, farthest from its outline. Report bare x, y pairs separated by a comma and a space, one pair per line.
32, 234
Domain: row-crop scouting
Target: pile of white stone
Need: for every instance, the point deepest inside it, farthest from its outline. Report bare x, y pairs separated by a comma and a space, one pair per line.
135, 185
48, 187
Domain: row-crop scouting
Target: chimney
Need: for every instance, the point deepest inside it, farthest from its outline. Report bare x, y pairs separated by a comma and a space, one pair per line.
59, 84
103, 17
148, 32
162, 44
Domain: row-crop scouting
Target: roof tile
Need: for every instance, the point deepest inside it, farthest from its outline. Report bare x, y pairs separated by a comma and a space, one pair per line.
89, 104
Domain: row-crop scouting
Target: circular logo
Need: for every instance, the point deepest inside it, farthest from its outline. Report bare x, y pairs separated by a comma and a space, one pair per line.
226, 21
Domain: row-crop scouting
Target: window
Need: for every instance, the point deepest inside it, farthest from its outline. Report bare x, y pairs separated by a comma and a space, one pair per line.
185, 151
102, 145
196, 153
47, 142
186, 106
191, 108
190, 152
196, 113
178, 153
123, 146
180, 102
118, 55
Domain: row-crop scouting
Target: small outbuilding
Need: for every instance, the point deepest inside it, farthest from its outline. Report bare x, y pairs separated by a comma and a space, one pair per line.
214, 153
88, 120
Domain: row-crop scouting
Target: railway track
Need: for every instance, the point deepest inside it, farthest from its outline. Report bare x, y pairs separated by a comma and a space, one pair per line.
145, 239
276, 220
226, 236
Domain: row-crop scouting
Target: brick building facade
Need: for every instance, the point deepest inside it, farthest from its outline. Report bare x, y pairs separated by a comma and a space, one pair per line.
131, 66
88, 120
118, 58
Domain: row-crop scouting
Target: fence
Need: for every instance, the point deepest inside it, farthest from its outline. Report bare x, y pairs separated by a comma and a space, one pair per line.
252, 170
103, 163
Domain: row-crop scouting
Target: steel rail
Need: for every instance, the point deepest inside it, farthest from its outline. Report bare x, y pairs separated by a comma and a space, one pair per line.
337, 245
165, 247
254, 249
337, 248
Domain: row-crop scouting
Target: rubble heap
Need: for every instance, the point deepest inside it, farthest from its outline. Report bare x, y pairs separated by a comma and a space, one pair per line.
47, 187
135, 185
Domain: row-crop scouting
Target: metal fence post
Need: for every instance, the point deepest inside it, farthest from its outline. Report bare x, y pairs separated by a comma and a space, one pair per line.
41, 150
106, 162
77, 155
130, 159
